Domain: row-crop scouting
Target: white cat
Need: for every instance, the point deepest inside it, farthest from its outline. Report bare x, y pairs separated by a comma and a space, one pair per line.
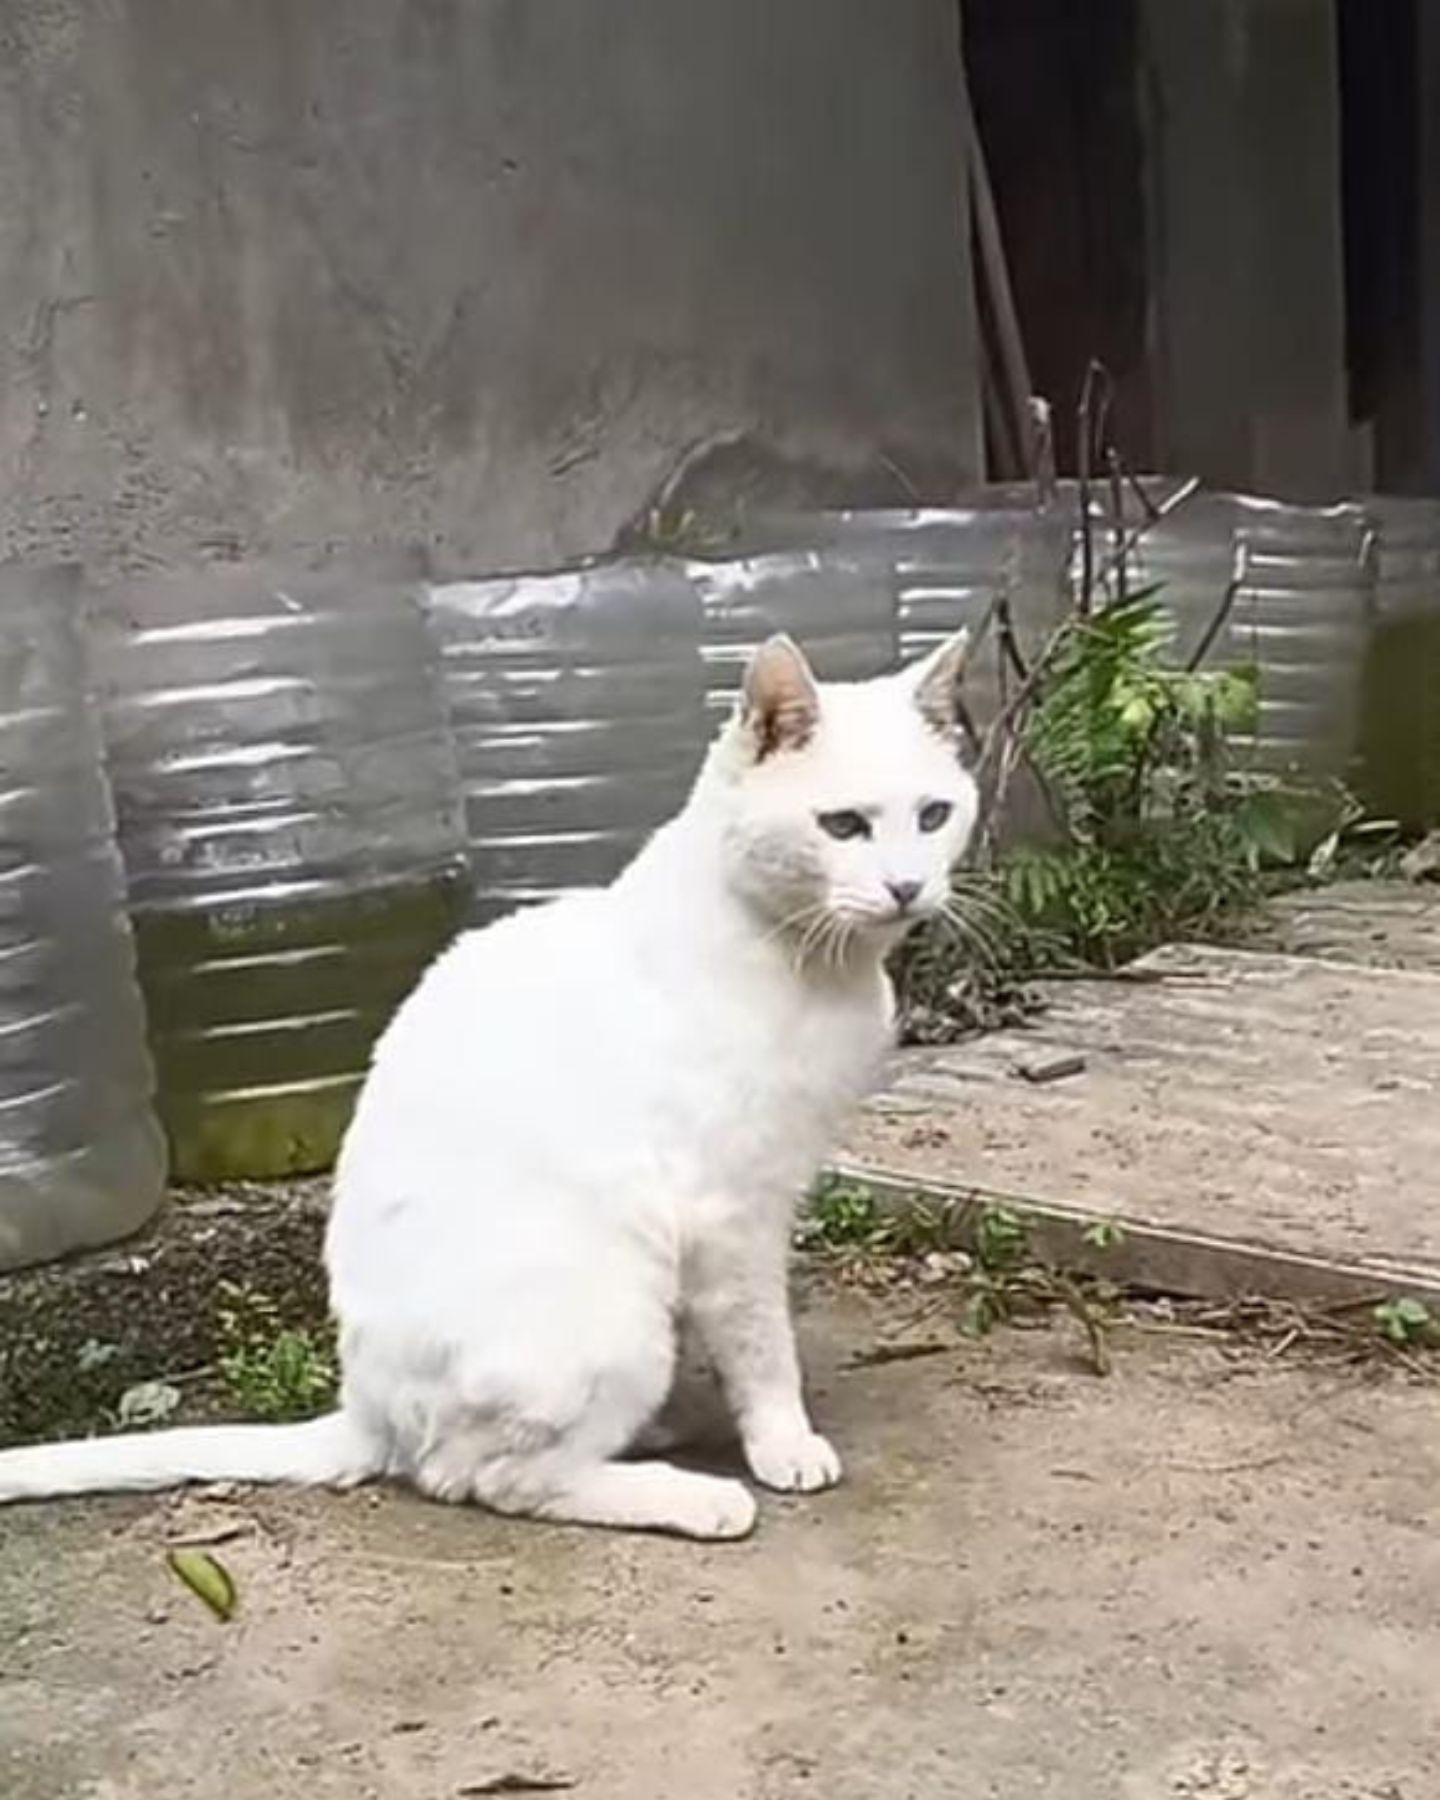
587, 1127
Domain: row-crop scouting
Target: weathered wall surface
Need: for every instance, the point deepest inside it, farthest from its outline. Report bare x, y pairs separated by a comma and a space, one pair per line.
477, 270
1247, 260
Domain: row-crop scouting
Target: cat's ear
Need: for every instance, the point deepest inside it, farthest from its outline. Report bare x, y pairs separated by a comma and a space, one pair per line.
933, 682
780, 704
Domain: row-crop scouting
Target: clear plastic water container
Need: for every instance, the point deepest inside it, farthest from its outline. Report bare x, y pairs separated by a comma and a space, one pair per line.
1398, 771
835, 600
82, 1159
293, 837
577, 700
1300, 614
1300, 611
946, 567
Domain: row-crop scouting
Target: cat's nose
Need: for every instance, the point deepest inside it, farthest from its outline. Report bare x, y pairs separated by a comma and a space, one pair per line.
904, 893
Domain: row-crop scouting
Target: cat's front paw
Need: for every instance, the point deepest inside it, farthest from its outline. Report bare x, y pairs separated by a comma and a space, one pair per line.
798, 1463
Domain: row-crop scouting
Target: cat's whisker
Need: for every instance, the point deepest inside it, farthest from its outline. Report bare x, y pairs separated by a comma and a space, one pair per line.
846, 940
975, 950
805, 928
971, 936
857, 907
812, 937
994, 930
981, 898
973, 919
967, 927
992, 916
999, 922
800, 938
793, 920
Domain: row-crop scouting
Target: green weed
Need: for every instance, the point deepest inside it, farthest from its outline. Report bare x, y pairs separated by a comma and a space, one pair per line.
1405, 1321
269, 1369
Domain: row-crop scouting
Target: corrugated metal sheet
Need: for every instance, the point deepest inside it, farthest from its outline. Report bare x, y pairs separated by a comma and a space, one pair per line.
577, 699
81, 1156
290, 822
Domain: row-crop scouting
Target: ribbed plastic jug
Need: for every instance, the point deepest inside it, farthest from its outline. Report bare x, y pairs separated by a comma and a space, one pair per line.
81, 1157
1398, 775
577, 699
292, 831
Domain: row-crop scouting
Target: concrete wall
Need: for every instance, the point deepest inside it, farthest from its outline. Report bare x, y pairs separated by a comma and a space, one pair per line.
1428, 76
1248, 279
479, 270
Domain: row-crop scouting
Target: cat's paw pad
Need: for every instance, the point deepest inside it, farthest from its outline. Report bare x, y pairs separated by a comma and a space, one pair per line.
798, 1464
725, 1509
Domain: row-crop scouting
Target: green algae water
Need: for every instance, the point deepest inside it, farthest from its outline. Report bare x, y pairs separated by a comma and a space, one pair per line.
1399, 758
262, 1017
293, 837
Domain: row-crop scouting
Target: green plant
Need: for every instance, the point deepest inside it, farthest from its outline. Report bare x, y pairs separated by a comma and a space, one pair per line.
1121, 734
846, 1216
1002, 1239
1405, 1320
269, 1369
1160, 832
840, 1213
1000, 1284
1007, 1282
674, 530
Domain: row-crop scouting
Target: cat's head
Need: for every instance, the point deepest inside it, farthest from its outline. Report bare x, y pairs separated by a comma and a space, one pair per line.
846, 804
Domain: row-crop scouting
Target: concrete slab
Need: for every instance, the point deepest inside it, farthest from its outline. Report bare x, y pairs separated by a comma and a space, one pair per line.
1384, 924
1254, 1122
1211, 1577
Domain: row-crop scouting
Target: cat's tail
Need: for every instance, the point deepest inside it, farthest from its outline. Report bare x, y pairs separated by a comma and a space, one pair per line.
327, 1452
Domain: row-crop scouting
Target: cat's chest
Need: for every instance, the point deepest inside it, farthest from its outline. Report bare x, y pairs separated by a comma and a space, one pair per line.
765, 1077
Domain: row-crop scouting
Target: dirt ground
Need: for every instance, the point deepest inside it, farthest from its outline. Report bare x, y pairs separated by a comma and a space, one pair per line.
1212, 1575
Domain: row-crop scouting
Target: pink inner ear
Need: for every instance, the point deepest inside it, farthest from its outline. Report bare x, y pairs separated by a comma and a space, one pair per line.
935, 702
788, 725
937, 693
781, 703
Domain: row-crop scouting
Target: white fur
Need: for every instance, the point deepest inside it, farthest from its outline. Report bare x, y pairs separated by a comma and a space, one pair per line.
588, 1126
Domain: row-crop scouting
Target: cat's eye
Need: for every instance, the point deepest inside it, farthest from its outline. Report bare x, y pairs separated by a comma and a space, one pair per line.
844, 824
933, 814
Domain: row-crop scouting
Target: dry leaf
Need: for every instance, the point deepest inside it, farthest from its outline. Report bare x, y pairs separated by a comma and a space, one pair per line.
207, 1578
519, 1784
147, 1403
